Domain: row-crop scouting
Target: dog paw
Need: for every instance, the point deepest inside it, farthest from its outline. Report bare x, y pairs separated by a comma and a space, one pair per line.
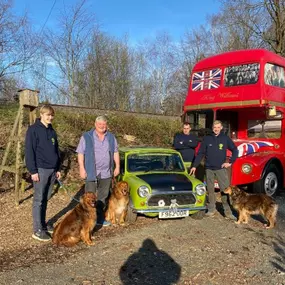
238, 222
267, 226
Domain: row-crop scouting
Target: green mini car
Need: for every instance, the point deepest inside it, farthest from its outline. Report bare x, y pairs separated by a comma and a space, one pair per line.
160, 185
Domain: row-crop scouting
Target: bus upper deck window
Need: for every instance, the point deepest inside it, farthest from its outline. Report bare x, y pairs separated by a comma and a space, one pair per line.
241, 74
274, 75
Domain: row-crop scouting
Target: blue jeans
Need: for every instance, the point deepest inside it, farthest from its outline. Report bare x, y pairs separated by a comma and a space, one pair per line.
42, 193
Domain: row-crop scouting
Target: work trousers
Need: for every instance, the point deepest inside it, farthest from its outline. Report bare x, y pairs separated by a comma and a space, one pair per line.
224, 182
102, 189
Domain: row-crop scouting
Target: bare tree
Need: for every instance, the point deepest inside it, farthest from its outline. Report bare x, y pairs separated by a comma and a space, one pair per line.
194, 46
141, 94
16, 46
161, 62
105, 78
263, 21
228, 35
66, 48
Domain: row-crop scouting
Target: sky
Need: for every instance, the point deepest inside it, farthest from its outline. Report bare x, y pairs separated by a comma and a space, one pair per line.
139, 19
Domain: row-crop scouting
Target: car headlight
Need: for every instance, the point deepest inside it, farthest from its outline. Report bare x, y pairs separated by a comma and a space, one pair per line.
246, 168
143, 191
200, 189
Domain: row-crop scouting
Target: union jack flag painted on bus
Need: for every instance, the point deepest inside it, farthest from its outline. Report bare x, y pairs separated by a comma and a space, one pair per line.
209, 79
248, 148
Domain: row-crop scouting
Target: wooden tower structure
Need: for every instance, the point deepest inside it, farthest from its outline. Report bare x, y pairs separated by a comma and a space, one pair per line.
28, 99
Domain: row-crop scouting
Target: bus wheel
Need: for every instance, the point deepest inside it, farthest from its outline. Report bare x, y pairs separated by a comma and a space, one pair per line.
270, 183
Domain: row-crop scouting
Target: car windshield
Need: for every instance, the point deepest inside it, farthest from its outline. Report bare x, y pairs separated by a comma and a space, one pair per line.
154, 162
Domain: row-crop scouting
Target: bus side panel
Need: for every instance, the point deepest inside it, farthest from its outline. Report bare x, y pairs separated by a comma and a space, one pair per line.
258, 161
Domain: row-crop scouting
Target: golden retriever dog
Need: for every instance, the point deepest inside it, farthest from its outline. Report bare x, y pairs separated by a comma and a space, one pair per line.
118, 203
78, 223
252, 204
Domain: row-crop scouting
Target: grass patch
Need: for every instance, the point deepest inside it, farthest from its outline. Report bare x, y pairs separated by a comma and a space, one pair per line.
70, 125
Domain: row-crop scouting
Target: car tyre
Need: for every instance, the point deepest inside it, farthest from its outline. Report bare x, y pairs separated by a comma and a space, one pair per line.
198, 215
270, 183
131, 216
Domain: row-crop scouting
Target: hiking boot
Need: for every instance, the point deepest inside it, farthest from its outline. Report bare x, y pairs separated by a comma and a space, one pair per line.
230, 216
41, 235
210, 213
49, 229
104, 223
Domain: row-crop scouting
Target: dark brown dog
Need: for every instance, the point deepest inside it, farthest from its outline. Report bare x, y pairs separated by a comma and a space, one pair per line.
118, 203
78, 223
252, 204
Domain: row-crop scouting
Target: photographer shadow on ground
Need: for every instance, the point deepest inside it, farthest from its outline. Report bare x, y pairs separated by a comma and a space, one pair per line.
149, 265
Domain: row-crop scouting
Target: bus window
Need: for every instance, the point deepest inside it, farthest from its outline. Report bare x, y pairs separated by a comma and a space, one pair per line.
201, 122
270, 129
210, 79
229, 119
274, 75
241, 74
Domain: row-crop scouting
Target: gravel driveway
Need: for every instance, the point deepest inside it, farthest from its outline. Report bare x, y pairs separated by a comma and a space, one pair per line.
184, 251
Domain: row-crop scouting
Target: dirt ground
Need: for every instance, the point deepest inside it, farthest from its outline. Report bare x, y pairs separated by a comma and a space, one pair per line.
182, 251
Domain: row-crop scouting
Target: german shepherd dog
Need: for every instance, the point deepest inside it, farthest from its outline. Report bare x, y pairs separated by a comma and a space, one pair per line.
78, 223
252, 204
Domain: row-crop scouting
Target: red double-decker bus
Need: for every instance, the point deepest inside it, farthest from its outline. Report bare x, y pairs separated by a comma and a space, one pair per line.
245, 90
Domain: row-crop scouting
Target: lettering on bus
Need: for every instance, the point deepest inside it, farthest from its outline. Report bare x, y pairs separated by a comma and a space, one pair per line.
208, 97
228, 95
241, 74
274, 75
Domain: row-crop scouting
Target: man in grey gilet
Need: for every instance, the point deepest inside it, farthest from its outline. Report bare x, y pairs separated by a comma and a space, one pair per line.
99, 161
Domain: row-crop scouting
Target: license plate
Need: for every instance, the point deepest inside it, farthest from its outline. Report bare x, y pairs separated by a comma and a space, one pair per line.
173, 214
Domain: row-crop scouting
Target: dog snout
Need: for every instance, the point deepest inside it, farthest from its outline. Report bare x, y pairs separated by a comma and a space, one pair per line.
125, 191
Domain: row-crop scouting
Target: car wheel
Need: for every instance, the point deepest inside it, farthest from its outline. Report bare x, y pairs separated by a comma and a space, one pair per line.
131, 215
198, 215
270, 183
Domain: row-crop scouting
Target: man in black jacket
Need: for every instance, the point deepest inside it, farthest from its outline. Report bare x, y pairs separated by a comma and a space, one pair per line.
214, 149
186, 143
43, 162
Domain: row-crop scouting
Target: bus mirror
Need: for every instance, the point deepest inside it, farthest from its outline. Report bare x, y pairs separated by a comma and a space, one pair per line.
271, 112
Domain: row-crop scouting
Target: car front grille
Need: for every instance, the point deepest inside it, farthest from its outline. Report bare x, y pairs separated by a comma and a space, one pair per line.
181, 199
